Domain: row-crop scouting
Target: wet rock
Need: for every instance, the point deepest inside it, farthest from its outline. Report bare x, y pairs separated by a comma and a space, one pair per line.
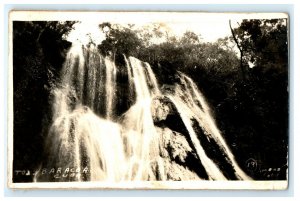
160, 108
176, 172
174, 152
165, 114
174, 145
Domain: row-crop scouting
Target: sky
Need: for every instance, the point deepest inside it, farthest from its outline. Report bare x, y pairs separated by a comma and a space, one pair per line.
209, 30
210, 26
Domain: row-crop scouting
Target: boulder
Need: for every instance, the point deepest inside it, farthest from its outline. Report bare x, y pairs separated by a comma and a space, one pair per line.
165, 114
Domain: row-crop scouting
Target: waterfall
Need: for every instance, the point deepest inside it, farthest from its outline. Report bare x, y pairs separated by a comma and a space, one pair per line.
191, 104
91, 138
140, 134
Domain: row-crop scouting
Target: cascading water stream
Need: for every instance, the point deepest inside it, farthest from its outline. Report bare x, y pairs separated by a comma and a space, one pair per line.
139, 120
191, 105
207, 123
110, 86
87, 132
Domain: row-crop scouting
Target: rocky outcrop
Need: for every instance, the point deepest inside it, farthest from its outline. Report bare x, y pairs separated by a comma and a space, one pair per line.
161, 107
176, 148
164, 114
175, 151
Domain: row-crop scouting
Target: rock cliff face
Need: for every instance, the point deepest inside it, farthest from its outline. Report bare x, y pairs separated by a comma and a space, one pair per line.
37, 59
180, 156
164, 114
161, 107
176, 150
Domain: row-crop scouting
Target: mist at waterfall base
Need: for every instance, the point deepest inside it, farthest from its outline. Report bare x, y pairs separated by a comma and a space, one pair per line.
118, 123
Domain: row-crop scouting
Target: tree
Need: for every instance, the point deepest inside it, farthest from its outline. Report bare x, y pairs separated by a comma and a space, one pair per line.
41, 38
263, 42
119, 40
189, 37
241, 49
258, 106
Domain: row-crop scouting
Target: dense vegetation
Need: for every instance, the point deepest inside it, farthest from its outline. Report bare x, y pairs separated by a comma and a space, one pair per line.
248, 91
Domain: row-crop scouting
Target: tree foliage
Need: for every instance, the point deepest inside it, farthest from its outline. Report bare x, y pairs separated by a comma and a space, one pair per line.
264, 42
119, 40
262, 99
